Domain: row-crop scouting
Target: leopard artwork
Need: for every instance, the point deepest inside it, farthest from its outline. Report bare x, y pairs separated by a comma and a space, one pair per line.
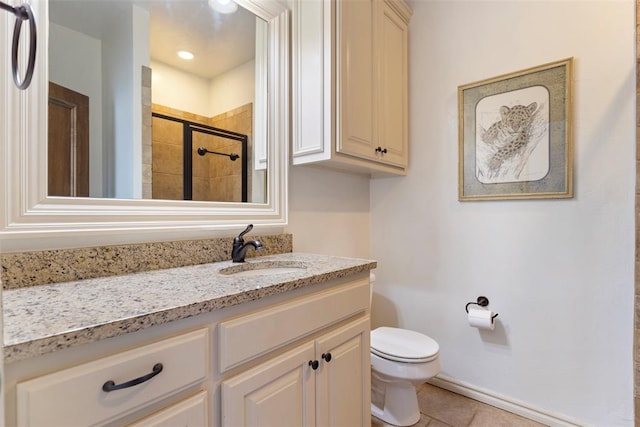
509, 135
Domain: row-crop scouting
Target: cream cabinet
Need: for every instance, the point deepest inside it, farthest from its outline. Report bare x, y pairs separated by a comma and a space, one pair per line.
350, 84
324, 382
314, 370
107, 389
276, 393
191, 412
296, 358
343, 376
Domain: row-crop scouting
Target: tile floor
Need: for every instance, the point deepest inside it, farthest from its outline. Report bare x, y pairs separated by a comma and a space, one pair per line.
442, 408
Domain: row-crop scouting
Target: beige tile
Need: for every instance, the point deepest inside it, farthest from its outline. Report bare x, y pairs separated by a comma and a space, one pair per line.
442, 408
167, 158
146, 173
436, 423
636, 365
200, 165
167, 186
447, 407
487, 416
166, 131
200, 189
146, 74
424, 421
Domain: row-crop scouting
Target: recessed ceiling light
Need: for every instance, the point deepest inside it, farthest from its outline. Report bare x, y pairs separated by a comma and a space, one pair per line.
185, 54
223, 6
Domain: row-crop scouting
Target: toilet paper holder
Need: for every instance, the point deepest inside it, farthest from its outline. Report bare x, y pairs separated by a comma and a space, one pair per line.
482, 302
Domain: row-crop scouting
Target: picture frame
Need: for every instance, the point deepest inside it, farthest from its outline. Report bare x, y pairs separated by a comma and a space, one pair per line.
515, 135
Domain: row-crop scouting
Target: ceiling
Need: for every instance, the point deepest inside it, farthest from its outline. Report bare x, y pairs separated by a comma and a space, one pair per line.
219, 42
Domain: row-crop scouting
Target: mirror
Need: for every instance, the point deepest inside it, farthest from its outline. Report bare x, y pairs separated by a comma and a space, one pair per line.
130, 80
30, 218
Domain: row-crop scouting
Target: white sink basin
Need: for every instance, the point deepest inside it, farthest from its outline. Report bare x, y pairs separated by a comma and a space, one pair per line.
263, 268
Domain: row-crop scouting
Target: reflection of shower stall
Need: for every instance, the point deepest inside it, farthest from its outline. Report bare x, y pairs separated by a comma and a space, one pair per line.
192, 161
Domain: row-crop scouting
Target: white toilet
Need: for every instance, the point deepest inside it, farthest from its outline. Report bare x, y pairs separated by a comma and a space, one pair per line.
401, 360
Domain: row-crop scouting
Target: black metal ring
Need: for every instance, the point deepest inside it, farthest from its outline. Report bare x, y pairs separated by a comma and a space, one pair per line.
23, 13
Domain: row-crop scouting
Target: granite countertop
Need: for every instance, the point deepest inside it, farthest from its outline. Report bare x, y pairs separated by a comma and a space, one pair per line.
46, 318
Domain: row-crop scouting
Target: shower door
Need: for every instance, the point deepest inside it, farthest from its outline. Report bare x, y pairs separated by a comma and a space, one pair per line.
193, 161
218, 165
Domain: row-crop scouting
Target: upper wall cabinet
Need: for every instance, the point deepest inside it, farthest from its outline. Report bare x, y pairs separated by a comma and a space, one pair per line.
350, 96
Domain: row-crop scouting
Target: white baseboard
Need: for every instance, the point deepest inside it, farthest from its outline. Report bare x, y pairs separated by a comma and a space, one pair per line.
504, 402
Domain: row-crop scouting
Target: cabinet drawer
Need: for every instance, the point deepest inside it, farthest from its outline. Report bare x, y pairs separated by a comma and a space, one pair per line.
191, 412
247, 337
75, 396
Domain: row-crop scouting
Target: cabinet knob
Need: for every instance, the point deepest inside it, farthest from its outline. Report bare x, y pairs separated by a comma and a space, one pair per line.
326, 357
381, 150
314, 364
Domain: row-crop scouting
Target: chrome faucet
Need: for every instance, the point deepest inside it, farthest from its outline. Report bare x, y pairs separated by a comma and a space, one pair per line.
239, 250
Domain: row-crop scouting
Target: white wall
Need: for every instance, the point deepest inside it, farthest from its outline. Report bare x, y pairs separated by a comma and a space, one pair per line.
328, 212
178, 89
232, 89
188, 92
75, 63
558, 272
122, 82
140, 47
109, 72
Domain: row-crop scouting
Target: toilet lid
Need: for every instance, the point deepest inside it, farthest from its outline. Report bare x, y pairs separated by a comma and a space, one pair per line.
403, 345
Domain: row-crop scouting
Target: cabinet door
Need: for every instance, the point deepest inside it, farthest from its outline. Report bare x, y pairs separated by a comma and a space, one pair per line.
343, 389
277, 393
356, 86
393, 88
311, 80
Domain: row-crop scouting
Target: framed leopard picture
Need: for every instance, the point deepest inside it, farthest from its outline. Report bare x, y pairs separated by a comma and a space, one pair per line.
515, 138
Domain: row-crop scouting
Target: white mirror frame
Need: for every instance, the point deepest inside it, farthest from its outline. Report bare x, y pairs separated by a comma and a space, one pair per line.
32, 220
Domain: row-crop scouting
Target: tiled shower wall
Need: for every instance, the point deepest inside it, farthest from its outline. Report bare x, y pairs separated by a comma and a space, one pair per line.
146, 132
214, 177
240, 120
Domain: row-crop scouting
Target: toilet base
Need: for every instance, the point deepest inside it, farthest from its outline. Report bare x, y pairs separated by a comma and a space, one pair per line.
400, 405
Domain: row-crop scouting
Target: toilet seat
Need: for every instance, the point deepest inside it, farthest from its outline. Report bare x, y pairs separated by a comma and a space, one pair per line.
403, 345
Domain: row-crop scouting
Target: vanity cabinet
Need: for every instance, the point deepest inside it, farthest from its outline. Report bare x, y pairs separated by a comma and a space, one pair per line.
350, 84
298, 355
323, 380
106, 389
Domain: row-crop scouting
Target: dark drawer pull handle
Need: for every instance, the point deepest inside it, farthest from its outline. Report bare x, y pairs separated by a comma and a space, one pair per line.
326, 357
314, 364
111, 386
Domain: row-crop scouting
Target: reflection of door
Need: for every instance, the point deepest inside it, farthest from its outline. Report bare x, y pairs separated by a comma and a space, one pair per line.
68, 151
